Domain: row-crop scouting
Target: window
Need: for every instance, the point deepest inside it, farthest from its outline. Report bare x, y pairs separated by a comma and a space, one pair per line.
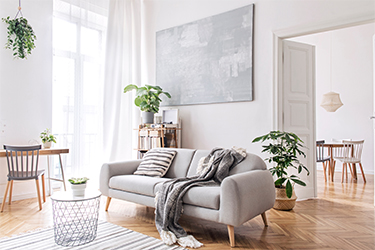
79, 32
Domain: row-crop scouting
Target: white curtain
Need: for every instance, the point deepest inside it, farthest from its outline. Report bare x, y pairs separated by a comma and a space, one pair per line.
79, 32
122, 67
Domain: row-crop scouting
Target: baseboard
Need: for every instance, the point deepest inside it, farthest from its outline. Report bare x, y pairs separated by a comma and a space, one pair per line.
339, 170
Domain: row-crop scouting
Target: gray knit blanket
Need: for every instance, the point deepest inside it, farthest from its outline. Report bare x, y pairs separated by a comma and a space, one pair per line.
211, 171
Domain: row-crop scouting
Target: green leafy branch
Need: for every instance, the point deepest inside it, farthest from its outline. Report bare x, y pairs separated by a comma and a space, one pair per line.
284, 149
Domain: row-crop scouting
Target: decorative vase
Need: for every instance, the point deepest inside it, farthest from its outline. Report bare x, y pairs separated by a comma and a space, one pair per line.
47, 144
282, 202
78, 189
148, 117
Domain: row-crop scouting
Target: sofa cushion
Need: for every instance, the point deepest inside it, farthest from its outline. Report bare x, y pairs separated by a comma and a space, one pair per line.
194, 163
135, 183
181, 162
155, 163
208, 197
251, 162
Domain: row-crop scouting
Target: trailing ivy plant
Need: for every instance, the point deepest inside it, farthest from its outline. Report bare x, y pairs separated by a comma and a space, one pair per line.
21, 37
284, 149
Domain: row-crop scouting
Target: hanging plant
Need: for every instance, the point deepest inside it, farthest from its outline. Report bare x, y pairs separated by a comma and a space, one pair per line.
21, 37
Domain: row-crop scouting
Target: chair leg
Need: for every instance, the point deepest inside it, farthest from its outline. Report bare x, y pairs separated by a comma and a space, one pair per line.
44, 188
324, 169
342, 175
38, 192
346, 171
333, 170
350, 168
264, 217
107, 203
363, 173
231, 235
10, 192
5, 197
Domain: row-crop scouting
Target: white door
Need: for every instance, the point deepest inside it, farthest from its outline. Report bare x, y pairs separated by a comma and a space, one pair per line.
298, 106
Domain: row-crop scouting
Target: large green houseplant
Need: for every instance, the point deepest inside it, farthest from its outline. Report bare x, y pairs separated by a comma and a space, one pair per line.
21, 37
284, 149
147, 99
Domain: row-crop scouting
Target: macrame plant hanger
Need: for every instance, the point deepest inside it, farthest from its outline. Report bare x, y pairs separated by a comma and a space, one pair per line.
19, 12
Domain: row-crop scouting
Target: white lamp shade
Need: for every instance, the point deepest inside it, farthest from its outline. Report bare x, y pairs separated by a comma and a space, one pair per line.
331, 101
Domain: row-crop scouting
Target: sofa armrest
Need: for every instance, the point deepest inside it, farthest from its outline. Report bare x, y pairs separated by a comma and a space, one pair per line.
109, 170
246, 195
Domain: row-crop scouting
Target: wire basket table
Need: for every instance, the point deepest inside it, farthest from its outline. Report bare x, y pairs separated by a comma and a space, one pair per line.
75, 218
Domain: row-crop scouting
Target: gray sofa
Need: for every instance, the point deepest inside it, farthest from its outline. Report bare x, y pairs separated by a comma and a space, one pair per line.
247, 192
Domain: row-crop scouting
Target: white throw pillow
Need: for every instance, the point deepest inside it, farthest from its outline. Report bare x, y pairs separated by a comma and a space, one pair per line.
156, 163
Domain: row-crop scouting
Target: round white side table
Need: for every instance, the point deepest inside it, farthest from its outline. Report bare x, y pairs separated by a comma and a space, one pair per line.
75, 218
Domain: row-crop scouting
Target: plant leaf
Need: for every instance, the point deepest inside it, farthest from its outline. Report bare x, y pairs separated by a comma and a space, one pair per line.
299, 182
289, 189
130, 87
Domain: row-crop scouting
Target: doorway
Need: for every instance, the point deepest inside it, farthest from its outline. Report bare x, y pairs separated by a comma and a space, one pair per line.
360, 118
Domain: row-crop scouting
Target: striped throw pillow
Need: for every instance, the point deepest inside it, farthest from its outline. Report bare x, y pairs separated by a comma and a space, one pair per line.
156, 163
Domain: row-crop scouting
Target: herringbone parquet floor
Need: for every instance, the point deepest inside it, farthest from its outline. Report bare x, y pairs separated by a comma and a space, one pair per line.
342, 217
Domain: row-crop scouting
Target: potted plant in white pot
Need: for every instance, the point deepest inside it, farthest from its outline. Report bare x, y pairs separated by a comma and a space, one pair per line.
47, 138
147, 99
78, 185
284, 149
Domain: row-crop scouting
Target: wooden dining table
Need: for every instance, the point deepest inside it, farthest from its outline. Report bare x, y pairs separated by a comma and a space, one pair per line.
331, 169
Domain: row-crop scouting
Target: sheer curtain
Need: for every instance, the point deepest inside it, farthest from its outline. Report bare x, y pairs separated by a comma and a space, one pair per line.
122, 67
79, 35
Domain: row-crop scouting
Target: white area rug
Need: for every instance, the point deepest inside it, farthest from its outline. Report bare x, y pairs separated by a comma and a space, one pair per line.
109, 236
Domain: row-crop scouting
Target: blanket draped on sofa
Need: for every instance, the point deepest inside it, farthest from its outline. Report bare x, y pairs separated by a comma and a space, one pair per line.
213, 169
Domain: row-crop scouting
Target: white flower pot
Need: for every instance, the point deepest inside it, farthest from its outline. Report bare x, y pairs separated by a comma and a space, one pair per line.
47, 144
78, 189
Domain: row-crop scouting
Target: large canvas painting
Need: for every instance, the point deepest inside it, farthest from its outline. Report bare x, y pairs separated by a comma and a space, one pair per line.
207, 61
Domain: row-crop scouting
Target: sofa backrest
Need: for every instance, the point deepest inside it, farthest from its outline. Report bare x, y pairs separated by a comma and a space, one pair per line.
251, 162
181, 162
194, 163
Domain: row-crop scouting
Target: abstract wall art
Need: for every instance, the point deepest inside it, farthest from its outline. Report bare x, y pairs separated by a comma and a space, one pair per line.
207, 61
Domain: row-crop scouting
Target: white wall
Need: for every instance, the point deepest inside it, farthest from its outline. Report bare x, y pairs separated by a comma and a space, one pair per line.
352, 78
25, 86
207, 126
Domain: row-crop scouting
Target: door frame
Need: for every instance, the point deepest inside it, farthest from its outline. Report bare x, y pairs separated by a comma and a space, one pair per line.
278, 37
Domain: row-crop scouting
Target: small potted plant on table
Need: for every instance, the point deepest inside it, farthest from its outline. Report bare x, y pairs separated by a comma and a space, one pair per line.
284, 150
78, 185
47, 138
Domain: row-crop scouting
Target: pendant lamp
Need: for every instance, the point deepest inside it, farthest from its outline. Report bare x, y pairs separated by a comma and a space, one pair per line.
331, 101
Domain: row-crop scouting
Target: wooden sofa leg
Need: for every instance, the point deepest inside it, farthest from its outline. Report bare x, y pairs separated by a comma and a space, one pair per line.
107, 203
264, 217
231, 236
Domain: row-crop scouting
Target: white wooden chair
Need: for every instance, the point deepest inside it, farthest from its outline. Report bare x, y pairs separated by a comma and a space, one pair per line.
350, 154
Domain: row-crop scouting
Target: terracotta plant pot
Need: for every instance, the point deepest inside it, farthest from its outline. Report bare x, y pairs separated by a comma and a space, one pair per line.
282, 202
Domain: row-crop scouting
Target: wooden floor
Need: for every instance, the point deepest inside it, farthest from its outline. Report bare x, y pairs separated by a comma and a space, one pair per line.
341, 218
